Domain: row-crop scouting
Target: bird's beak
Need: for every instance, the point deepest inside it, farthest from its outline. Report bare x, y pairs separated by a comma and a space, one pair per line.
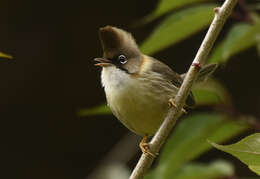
103, 62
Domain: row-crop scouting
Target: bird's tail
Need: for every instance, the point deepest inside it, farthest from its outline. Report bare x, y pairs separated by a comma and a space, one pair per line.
206, 71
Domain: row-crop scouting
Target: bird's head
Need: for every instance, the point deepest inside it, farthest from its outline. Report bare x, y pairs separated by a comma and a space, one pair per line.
119, 50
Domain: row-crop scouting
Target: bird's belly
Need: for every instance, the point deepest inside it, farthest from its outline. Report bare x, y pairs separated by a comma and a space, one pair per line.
142, 116
144, 121
137, 108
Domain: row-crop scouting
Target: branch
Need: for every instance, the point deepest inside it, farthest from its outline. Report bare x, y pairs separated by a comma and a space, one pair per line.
221, 15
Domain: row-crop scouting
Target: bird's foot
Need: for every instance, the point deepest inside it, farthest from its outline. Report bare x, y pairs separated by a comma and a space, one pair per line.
172, 103
145, 147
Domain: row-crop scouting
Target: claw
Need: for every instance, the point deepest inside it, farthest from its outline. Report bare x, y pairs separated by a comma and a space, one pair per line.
172, 103
145, 147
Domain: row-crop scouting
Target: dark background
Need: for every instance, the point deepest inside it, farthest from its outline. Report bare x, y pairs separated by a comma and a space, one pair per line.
52, 76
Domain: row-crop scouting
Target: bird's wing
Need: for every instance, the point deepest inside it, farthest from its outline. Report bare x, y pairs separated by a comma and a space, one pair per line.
172, 76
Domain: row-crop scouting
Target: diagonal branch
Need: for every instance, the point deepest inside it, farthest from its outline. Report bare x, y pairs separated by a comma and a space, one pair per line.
221, 15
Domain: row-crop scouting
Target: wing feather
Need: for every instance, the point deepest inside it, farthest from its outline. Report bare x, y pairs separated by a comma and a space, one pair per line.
172, 76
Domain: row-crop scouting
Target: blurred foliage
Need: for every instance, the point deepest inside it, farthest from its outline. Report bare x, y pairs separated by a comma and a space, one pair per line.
163, 37
189, 139
210, 92
247, 150
165, 6
240, 37
215, 169
3, 55
99, 110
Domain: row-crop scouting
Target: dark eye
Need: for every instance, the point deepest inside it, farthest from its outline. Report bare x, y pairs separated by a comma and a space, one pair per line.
122, 59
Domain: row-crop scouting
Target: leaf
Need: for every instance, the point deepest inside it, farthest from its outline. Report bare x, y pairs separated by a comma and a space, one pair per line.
189, 140
3, 55
239, 38
247, 150
206, 96
210, 92
255, 6
258, 44
165, 6
99, 110
213, 170
255, 169
177, 27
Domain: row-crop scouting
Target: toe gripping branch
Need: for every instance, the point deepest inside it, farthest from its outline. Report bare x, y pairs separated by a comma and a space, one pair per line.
172, 103
145, 147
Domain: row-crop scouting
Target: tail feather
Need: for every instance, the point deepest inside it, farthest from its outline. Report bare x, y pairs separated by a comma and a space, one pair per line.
206, 71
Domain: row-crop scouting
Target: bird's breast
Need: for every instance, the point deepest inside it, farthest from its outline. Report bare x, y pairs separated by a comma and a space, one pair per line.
134, 100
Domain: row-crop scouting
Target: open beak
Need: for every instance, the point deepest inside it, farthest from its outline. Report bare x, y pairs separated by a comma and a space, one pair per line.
103, 62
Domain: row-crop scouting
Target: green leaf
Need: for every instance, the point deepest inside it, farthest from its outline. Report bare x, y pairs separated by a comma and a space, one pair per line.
258, 44
255, 6
255, 169
213, 170
3, 55
189, 140
177, 27
99, 110
247, 150
240, 37
255, 17
206, 96
210, 92
165, 6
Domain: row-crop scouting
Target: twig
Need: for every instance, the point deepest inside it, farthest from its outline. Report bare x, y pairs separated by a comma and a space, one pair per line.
221, 15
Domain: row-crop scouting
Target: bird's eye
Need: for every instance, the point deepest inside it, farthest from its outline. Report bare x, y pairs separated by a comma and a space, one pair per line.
122, 59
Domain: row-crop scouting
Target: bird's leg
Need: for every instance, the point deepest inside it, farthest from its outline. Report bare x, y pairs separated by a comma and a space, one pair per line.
172, 103
145, 146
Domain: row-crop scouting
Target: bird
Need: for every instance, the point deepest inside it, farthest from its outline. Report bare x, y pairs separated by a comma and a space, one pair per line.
139, 88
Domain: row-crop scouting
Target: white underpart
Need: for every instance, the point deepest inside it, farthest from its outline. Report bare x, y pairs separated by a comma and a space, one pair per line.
140, 104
